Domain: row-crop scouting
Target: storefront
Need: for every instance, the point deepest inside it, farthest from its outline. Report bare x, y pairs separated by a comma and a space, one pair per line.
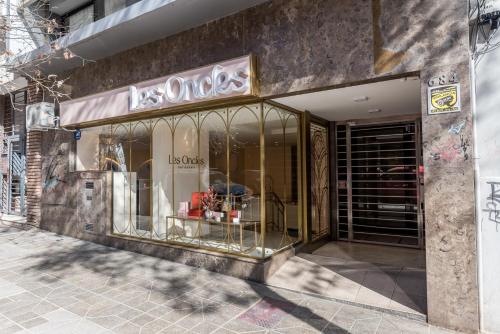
213, 166
226, 178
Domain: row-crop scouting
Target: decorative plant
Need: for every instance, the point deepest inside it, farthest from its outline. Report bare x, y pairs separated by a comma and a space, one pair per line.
210, 201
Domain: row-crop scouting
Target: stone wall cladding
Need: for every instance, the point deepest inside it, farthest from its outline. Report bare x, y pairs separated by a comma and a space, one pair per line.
450, 210
304, 45
300, 45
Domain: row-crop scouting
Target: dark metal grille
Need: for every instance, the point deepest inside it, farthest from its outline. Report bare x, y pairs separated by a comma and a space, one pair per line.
18, 115
16, 177
377, 175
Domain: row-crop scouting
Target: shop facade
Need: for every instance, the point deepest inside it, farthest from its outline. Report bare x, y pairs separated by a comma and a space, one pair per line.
225, 178
185, 149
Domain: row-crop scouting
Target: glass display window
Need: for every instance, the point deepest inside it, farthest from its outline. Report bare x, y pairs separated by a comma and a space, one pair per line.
226, 179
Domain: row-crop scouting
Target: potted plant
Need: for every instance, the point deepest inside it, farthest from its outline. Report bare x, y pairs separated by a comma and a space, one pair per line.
210, 202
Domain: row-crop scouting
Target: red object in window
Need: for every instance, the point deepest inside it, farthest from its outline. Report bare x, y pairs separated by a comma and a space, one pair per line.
196, 200
196, 205
196, 213
421, 170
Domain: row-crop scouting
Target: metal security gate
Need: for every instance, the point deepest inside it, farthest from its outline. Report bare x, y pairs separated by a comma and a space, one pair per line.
379, 183
14, 142
17, 176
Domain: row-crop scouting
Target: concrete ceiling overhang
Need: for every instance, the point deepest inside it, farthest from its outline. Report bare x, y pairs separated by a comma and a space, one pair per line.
397, 97
138, 24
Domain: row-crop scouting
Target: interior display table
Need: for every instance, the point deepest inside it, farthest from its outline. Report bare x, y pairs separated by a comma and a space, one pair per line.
227, 228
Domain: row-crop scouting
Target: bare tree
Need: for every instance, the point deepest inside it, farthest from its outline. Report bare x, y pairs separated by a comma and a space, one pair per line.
29, 41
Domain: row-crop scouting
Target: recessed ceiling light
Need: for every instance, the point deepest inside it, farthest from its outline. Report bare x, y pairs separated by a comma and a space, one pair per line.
360, 99
372, 111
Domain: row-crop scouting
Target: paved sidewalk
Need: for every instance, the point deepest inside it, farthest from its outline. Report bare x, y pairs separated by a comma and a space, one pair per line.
55, 284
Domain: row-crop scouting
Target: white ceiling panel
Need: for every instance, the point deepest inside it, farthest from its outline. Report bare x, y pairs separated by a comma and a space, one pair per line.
373, 100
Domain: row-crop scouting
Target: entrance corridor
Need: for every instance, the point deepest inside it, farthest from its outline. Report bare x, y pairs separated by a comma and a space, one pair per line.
391, 278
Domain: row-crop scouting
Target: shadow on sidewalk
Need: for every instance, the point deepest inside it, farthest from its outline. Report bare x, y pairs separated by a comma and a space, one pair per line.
181, 286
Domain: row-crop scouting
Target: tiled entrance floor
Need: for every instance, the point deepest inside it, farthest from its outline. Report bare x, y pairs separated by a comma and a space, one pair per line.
381, 276
396, 256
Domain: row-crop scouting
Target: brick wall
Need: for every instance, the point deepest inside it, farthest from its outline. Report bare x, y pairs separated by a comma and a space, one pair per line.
7, 118
33, 166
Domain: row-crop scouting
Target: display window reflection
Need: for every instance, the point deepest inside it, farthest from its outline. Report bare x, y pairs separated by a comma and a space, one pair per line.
226, 179
282, 145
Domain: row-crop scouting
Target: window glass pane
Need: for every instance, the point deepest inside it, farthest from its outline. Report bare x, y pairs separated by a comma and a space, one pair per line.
92, 148
213, 125
111, 6
185, 160
162, 176
119, 159
282, 209
244, 191
213, 176
140, 171
81, 18
291, 171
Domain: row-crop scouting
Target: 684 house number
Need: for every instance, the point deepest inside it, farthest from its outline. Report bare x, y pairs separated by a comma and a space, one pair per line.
443, 79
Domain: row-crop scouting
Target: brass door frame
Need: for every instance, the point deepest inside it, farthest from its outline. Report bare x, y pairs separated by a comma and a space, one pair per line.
310, 119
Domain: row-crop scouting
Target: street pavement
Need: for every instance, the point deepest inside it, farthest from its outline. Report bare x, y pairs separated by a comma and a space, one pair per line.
57, 284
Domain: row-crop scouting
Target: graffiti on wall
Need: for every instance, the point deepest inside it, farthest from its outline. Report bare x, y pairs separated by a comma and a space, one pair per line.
54, 176
451, 148
492, 209
457, 128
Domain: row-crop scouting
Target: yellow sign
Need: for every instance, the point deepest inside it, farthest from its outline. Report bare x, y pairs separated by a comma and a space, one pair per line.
443, 99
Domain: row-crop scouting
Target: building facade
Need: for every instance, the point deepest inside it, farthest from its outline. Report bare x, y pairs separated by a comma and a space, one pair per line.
228, 137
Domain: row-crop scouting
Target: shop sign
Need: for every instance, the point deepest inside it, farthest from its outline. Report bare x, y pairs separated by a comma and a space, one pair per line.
186, 161
234, 78
219, 81
77, 134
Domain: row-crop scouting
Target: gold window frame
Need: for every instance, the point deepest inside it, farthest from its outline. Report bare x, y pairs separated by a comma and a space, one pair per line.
260, 110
